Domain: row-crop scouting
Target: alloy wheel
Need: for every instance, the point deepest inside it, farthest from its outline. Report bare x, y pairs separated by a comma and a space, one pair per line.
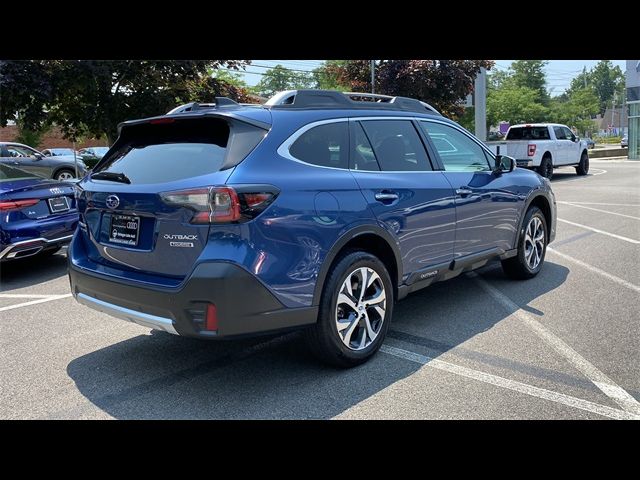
534, 243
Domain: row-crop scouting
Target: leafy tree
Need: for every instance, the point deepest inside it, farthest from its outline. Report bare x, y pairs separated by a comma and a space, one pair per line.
530, 74
326, 76
229, 77
91, 97
28, 136
604, 79
280, 78
577, 110
441, 83
515, 105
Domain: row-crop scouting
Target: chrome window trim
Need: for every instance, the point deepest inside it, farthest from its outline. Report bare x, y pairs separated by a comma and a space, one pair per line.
283, 149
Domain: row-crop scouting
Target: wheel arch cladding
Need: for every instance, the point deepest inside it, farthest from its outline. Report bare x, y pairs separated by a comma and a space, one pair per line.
369, 239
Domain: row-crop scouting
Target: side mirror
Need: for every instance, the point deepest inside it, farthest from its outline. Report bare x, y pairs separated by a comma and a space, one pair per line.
38, 156
504, 164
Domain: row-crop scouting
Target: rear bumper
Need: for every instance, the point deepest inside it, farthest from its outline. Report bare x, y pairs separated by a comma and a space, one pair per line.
244, 305
521, 162
27, 248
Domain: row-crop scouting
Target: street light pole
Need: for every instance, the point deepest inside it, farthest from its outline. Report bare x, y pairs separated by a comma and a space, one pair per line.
480, 94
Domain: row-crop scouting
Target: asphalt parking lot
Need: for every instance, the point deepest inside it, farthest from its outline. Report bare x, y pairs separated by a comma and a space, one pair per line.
561, 346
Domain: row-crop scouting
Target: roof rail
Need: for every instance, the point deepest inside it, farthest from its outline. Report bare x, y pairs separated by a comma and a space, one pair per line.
358, 100
193, 106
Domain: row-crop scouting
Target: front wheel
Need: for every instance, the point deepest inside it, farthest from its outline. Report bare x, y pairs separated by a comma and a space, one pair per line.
583, 166
64, 174
355, 311
532, 246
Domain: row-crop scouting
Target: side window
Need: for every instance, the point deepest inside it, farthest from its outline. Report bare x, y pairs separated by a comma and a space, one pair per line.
14, 151
396, 145
458, 152
568, 133
362, 156
325, 145
560, 134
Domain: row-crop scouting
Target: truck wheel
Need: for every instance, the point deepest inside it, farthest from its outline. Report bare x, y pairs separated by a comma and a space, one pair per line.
546, 167
355, 311
583, 166
532, 246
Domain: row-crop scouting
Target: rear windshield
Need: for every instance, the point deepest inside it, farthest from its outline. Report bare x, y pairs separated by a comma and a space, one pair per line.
528, 133
169, 151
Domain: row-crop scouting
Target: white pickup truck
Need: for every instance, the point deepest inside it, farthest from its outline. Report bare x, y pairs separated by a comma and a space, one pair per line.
544, 146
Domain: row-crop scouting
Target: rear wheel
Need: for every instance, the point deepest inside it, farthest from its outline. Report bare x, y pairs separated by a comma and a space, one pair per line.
583, 166
546, 167
64, 174
355, 311
532, 246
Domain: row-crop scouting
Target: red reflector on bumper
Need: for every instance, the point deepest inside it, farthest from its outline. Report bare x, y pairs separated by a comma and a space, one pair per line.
211, 319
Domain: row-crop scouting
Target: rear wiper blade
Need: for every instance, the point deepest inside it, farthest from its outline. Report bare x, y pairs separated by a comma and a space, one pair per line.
111, 176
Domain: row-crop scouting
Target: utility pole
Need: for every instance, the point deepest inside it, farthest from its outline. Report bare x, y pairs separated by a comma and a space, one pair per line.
480, 104
373, 78
584, 75
613, 109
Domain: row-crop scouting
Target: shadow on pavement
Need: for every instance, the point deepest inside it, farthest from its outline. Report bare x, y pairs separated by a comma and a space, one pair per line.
163, 376
31, 271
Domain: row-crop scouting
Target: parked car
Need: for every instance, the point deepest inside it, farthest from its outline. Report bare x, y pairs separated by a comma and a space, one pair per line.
92, 155
37, 215
59, 152
590, 143
624, 143
315, 211
29, 159
544, 146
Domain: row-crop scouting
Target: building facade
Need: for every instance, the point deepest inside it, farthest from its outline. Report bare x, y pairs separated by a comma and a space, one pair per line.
633, 103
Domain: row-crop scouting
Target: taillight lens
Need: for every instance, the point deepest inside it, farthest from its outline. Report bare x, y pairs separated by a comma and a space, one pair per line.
221, 204
6, 205
531, 150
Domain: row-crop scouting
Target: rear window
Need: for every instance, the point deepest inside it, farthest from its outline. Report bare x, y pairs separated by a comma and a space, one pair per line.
325, 145
528, 133
170, 151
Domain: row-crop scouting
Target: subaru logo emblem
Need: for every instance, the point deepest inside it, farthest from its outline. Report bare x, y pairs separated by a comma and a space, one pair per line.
113, 201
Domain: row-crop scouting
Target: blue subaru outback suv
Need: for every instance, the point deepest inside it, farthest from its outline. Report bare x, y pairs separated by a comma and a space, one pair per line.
319, 209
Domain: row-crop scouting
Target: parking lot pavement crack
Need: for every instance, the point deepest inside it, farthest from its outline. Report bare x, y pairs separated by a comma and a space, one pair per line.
598, 378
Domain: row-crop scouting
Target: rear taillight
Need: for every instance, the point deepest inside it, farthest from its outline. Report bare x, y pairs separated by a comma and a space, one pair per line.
531, 149
6, 205
221, 204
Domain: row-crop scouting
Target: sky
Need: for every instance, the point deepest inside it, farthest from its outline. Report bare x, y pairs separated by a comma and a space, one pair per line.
559, 72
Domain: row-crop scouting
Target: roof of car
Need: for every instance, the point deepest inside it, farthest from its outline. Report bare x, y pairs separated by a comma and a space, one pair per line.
539, 125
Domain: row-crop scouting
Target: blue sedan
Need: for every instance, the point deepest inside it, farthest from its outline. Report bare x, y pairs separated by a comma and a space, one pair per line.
37, 215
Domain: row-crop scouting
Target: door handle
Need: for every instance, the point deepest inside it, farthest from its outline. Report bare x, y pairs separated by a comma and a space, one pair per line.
463, 191
386, 197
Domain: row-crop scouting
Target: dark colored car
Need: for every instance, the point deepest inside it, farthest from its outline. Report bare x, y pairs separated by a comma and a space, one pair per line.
58, 167
92, 155
318, 210
36, 215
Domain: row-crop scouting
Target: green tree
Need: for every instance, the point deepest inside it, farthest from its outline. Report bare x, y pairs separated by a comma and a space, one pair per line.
326, 77
231, 78
577, 110
441, 83
607, 80
530, 74
91, 97
515, 105
280, 78
28, 136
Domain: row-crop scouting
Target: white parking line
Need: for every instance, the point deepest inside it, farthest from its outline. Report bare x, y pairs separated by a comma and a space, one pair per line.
598, 378
604, 204
33, 302
510, 384
613, 278
599, 210
619, 237
23, 295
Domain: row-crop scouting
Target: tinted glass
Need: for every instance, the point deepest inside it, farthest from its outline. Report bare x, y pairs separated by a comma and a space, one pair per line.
528, 133
568, 133
459, 153
167, 152
363, 158
15, 151
560, 134
396, 145
325, 145
9, 173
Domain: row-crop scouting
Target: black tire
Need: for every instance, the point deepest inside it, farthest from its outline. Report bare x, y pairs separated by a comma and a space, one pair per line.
63, 172
518, 267
546, 167
583, 166
323, 337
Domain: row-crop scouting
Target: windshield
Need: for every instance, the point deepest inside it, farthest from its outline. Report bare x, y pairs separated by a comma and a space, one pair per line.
100, 150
